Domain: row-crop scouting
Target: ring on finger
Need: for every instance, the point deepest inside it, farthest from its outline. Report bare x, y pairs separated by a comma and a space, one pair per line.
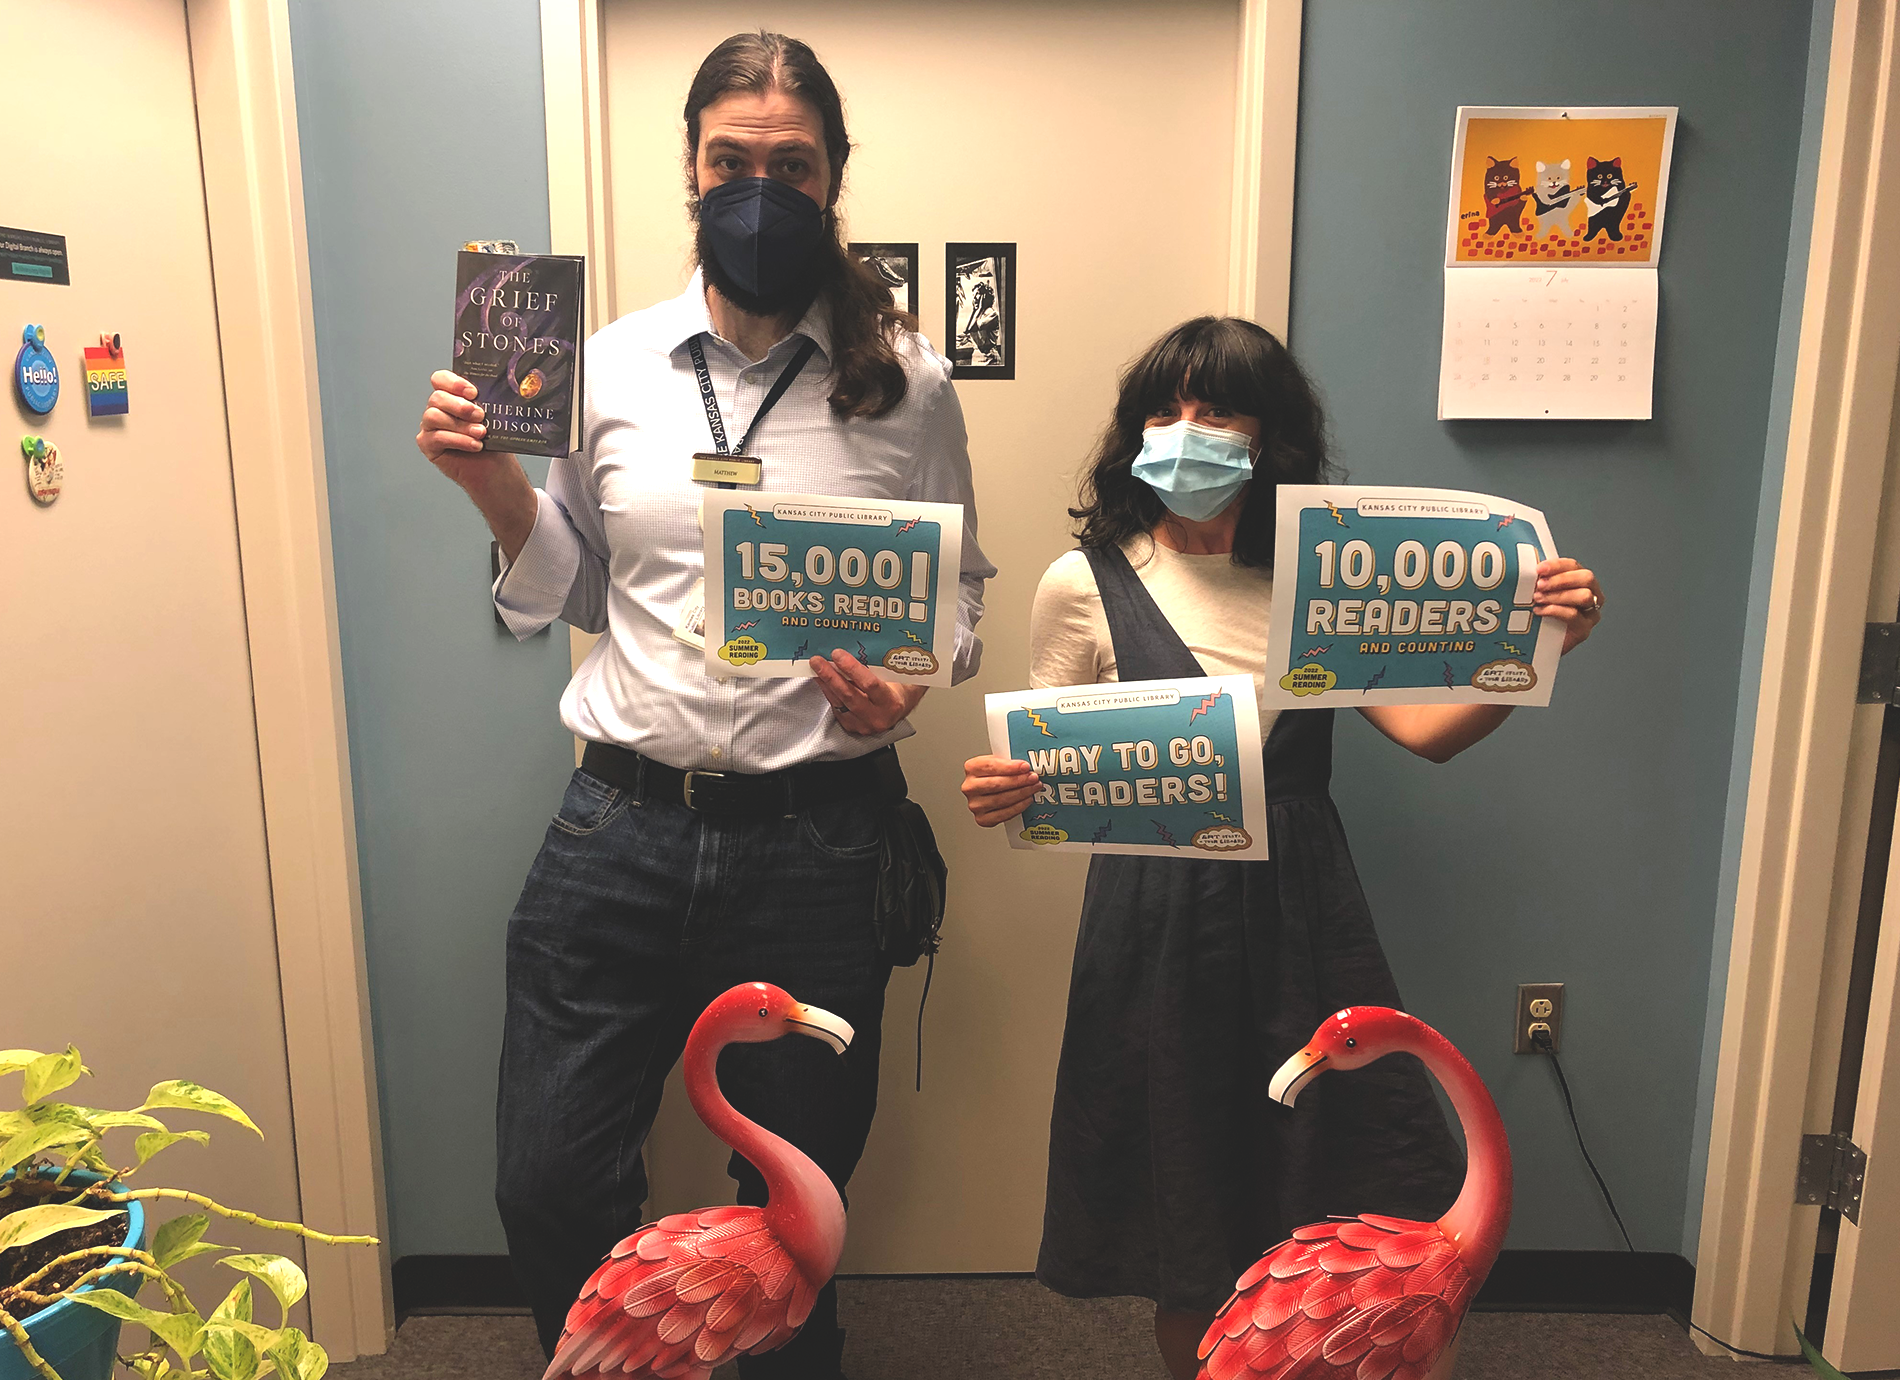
1594, 607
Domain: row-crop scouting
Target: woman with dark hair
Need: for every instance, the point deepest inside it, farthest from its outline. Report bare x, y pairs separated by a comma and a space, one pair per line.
1170, 1170
719, 830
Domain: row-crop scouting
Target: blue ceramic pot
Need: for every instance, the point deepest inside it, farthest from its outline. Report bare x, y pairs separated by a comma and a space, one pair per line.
80, 1343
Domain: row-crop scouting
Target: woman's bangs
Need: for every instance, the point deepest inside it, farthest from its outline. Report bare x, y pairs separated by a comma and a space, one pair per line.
1201, 364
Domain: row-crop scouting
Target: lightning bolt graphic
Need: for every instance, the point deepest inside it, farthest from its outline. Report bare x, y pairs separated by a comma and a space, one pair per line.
1375, 680
755, 514
907, 526
1506, 521
1510, 647
1102, 832
801, 649
1036, 719
1044, 814
862, 654
1162, 830
1224, 819
1338, 517
1206, 705
913, 637
743, 626
1315, 651
1448, 680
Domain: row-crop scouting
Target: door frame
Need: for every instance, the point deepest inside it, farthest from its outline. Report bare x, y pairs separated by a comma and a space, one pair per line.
1266, 132
253, 188
1805, 824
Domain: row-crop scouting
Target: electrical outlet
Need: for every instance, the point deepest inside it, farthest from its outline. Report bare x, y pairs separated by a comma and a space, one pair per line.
1540, 1008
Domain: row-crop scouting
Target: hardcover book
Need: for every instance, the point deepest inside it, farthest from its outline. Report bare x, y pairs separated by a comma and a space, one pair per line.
517, 339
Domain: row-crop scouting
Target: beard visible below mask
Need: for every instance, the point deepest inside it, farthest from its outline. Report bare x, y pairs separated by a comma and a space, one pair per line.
791, 301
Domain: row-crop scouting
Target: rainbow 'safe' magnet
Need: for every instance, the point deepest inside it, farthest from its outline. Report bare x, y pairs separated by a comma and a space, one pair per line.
105, 377
44, 472
36, 372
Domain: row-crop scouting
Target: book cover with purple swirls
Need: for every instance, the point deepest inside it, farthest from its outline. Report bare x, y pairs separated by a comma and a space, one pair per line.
517, 339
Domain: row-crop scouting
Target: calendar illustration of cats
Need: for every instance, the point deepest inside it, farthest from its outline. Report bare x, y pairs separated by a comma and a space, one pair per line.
1552, 249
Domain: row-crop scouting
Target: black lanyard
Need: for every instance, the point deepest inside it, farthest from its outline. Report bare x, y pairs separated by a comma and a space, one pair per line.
717, 424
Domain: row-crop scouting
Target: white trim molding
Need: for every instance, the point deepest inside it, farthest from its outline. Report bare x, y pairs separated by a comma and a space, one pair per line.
247, 123
1266, 139
1782, 1014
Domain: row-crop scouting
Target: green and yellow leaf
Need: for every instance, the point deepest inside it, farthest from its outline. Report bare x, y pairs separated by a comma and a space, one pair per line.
192, 1097
35, 1224
13, 1060
174, 1240
282, 1276
152, 1142
25, 1145
236, 1306
182, 1332
119, 1306
51, 1072
228, 1353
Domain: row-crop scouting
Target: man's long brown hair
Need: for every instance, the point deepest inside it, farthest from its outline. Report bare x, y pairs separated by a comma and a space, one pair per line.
867, 377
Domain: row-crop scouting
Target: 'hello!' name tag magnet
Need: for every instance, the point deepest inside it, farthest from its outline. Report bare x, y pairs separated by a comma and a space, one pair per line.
36, 372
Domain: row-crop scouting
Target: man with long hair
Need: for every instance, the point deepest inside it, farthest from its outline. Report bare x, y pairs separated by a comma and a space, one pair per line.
719, 830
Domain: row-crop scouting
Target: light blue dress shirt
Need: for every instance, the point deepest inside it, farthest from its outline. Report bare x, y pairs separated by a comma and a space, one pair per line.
616, 545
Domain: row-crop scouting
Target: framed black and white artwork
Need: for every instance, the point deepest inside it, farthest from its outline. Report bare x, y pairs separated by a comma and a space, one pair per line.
980, 309
896, 267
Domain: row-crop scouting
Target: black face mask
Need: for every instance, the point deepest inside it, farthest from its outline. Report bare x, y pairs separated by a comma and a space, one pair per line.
759, 242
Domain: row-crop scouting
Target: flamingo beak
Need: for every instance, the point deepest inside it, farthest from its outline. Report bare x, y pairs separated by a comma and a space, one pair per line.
820, 1025
1295, 1074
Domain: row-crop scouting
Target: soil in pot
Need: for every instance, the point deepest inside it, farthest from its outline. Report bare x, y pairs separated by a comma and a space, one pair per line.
20, 1262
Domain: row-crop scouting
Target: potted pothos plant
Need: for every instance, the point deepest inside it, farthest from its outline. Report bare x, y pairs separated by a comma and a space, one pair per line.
75, 1254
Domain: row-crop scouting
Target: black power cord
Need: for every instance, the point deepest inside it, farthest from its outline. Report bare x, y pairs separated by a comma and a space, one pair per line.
1541, 1042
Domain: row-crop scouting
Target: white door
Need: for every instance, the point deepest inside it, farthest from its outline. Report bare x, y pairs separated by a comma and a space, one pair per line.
132, 846
1099, 138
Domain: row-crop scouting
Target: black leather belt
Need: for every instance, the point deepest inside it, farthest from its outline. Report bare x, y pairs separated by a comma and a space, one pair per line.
738, 795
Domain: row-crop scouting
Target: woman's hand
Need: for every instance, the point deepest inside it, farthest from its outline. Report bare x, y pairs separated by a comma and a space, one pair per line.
864, 703
451, 437
1566, 590
998, 789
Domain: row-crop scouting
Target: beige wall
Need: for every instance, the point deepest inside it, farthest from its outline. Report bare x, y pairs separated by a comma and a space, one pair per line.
132, 849
1099, 138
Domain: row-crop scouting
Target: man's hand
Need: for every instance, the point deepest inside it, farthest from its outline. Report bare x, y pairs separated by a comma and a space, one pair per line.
863, 702
998, 789
451, 437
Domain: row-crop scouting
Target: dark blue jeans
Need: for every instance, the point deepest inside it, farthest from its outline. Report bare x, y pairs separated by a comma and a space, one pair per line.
633, 918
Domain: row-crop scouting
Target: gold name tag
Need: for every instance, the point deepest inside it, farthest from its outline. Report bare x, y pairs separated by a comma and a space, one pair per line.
726, 469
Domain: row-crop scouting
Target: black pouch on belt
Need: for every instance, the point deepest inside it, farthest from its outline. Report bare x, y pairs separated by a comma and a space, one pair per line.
911, 877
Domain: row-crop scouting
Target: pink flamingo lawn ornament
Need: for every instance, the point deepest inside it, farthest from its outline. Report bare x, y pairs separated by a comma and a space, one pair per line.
1371, 1298
690, 1292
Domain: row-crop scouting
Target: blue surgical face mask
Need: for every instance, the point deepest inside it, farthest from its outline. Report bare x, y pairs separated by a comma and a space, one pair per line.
761, 237
1196, 469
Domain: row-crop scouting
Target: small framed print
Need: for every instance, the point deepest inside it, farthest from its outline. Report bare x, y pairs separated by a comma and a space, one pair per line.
980, 309
896, 267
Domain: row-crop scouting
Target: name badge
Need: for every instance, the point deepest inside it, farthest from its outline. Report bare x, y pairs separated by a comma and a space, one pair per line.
726, 469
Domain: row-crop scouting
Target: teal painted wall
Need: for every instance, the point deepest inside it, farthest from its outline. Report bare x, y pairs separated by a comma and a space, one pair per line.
421, 126
1624, 840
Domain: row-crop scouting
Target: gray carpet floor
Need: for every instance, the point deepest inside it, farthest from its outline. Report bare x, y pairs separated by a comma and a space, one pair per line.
1014, 1329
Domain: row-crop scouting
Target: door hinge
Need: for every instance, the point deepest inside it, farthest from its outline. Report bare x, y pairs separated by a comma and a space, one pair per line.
1880, 665
1832, 1171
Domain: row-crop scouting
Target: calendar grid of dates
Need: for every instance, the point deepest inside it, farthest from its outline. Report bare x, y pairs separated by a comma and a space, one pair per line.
1548, 343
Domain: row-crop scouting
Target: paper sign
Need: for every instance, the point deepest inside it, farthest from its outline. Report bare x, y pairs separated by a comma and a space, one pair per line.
1551, 245
1407, 596
793, 576
1168, 767
106, 394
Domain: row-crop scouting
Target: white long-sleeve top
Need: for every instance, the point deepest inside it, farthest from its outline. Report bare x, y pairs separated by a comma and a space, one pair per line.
617, 547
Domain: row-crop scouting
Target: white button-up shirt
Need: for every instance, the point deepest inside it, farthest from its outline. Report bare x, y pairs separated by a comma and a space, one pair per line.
617, 546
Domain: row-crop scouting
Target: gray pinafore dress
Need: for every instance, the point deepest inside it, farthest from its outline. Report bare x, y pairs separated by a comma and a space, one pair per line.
1170, 1169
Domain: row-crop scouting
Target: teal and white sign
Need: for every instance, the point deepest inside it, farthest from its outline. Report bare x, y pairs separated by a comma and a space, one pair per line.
793, 576
1407, 596
1169, 767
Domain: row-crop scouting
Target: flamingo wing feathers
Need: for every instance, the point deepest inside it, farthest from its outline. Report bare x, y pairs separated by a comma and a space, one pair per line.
684, 1295
1369, 1298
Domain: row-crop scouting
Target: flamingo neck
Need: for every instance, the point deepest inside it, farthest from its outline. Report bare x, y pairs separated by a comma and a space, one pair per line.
1478, 1220
802, 1205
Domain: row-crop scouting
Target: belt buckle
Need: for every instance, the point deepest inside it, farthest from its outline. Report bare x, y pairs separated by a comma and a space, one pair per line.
689, 784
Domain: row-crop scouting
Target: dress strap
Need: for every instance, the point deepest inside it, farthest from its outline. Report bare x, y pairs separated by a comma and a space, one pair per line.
1146, 645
